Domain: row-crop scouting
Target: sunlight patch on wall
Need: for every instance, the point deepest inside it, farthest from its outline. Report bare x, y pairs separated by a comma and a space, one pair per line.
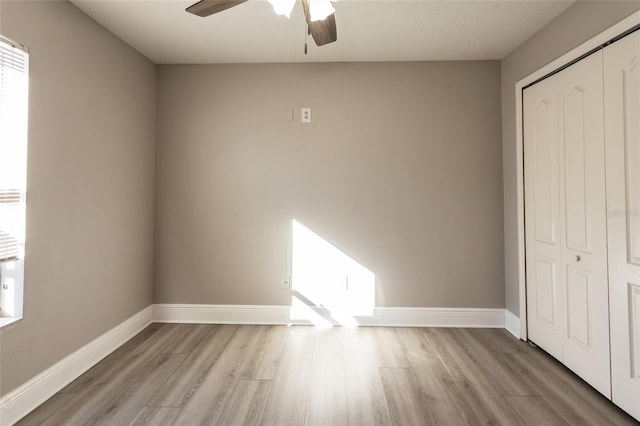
329, 286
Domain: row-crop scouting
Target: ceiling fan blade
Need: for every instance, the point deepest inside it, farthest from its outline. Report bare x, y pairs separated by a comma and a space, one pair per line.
209, 7
323, 32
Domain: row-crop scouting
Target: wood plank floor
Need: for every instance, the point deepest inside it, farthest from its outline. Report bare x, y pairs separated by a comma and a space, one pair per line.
179, 374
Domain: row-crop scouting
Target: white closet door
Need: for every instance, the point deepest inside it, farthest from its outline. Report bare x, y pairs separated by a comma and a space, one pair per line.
622, 122
565, 201
583, 203
542, 204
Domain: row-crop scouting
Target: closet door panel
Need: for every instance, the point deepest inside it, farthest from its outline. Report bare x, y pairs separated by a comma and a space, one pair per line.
579, 282
545, 177
631, 80
546, 288
575, 169
622, 123
542, 216
584, 252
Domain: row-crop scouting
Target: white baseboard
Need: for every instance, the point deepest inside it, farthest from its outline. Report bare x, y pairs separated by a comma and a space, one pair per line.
22, 400
435, 317
281, 315
512, 323
222, 314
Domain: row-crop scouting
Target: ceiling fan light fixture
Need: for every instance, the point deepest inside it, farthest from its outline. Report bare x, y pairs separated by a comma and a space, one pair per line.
320, 9
283, 7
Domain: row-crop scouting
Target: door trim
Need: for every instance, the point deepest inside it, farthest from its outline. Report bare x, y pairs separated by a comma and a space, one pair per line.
598, 40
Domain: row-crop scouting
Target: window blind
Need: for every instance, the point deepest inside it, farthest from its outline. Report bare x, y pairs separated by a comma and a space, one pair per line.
13, 148
9, 247
12, 57
10, 202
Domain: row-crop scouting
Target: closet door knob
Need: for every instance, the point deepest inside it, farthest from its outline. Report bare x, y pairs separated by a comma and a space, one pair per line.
578, 258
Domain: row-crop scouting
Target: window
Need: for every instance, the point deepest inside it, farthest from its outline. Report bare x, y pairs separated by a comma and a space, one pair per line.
14, 92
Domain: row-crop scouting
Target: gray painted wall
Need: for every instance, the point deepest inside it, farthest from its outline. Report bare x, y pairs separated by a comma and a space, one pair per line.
579, 23
90, 186
400, 169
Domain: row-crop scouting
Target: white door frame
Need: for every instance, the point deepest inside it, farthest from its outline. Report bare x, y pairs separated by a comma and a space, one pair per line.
605, 36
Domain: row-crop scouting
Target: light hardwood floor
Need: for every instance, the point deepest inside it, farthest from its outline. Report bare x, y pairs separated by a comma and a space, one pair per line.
178, 374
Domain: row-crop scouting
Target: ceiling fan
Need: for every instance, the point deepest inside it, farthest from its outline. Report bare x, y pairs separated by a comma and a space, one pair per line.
319, 14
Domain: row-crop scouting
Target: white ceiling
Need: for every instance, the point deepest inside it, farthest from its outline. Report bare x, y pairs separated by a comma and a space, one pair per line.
368, 30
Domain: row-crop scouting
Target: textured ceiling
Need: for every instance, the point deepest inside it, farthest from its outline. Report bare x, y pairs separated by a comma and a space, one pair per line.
368, 30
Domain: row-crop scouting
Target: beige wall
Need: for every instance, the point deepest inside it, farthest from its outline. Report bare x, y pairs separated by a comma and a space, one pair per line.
576, 25
90, 185
401, 169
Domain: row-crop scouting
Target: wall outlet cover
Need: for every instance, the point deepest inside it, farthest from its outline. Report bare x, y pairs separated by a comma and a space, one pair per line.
305, 115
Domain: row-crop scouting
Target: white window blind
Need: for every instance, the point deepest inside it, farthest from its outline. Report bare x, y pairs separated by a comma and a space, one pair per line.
13, 148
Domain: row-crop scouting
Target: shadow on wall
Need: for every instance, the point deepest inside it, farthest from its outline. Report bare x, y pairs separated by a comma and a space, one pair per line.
329, 287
